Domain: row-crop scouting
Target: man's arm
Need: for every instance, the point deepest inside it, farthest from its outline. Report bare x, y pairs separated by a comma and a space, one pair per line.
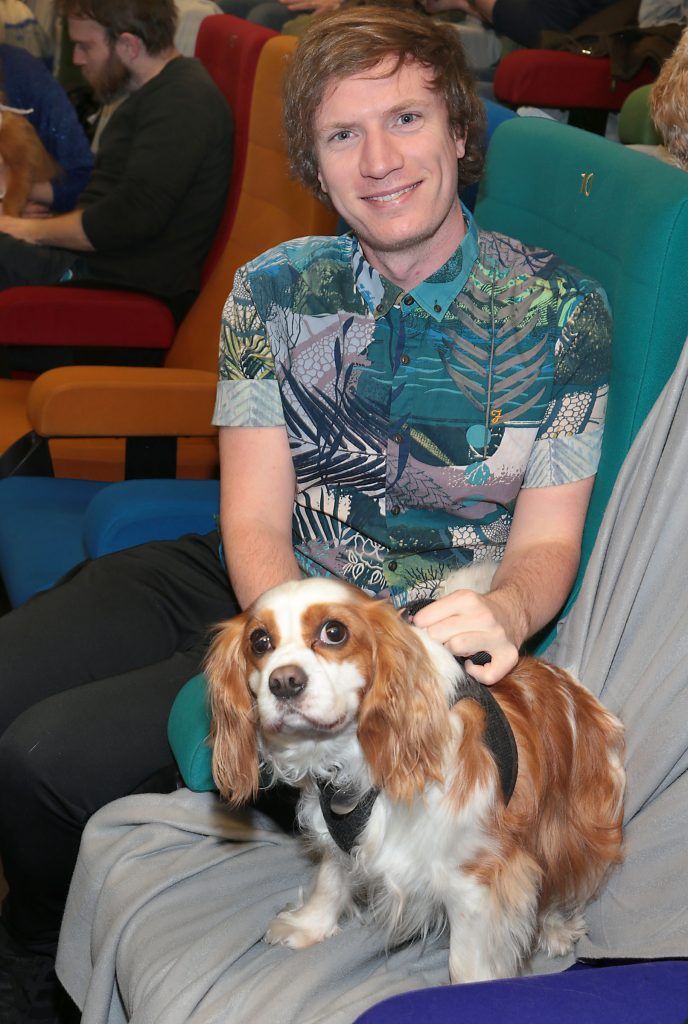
529, 588
65, 231
257, 500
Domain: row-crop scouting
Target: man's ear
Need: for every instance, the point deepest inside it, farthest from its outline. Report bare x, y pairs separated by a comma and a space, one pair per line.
323, 187
128, 47
460, 143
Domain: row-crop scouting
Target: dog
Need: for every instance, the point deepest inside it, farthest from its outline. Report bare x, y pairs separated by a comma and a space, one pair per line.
403, 794
26, 160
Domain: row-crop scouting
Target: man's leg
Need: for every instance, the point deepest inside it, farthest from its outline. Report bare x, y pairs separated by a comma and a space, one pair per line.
62, 760
88, 672
23, 264
112, 615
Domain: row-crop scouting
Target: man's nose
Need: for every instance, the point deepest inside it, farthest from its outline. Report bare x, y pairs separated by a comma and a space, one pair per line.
380, 154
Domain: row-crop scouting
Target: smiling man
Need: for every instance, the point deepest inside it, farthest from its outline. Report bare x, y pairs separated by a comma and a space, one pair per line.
394, 403
148, 216
420, 393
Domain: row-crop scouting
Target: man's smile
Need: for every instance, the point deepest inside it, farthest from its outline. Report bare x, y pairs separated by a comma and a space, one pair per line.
387, 197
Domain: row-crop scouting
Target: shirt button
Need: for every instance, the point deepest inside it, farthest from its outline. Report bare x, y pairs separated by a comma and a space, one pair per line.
378, 309
408, 301
405, 360
395, 510
392, 566
398, 438
437, 307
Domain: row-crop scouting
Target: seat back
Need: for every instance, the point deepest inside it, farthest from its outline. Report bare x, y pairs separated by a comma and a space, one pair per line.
229, 49
635, 121
272, 209
622, 219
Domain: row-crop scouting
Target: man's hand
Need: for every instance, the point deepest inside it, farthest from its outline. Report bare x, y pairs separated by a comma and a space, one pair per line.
19, 227
466, 622
529, 588
65, 231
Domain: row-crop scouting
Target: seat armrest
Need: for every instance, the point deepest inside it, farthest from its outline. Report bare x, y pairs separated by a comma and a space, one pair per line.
136, 511
188, 730
84, 317
122, 401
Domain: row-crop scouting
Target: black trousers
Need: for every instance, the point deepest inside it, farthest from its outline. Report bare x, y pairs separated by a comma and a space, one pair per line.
88, 673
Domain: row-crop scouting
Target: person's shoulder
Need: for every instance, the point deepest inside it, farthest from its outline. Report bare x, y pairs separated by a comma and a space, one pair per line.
515, 259
302, 255
15, 60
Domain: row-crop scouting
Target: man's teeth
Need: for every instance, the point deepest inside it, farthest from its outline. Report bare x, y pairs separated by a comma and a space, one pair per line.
391, 196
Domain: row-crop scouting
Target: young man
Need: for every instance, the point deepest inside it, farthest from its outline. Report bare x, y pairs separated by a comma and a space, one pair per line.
393, 403
150, 211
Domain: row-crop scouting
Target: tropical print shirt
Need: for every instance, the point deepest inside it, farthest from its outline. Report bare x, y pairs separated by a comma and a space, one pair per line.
414, 419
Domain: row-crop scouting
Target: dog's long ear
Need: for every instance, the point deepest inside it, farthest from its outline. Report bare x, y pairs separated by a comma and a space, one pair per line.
403, 724
233, 731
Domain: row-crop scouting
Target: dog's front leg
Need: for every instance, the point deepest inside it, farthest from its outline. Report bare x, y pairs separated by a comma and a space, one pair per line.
318, 917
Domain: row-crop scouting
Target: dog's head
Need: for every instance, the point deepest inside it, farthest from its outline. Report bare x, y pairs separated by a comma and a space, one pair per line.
316, 659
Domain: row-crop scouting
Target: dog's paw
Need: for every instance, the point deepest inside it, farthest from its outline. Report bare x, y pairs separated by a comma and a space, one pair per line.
559, 932
296, 930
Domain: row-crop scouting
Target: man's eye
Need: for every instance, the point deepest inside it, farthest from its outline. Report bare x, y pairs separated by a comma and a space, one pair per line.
342, 136
333, 632
260, 641
407, 118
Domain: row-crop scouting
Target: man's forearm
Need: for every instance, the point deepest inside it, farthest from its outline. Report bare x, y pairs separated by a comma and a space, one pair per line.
65, 231
257, 558
531, 586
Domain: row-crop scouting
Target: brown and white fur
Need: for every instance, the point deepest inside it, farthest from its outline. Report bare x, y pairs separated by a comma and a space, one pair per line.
25, 158
346, 690
669, 103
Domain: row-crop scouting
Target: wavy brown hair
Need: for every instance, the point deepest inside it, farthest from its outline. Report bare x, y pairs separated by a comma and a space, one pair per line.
353, 40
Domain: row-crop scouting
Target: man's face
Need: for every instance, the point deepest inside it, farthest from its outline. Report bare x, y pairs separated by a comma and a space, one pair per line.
387, 159
96, 55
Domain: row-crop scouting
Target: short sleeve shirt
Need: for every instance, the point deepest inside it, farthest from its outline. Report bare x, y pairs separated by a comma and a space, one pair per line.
415, 418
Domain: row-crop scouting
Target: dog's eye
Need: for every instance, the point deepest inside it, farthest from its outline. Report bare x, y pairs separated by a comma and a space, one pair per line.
333, 632
260, 641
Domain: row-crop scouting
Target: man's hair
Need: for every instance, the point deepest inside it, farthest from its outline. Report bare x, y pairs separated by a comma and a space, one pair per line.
153, 21
353, 40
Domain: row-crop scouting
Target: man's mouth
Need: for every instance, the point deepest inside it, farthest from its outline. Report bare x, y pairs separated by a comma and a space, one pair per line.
389, 197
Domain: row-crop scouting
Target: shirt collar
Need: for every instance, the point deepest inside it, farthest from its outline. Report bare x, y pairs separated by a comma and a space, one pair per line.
434, 295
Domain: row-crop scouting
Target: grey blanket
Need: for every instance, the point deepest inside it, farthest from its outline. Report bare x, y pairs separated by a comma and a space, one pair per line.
172, 894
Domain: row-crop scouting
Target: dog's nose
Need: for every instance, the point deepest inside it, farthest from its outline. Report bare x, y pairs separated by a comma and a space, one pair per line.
287, 681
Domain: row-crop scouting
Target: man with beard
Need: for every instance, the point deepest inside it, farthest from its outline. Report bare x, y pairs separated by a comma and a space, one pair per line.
149, 213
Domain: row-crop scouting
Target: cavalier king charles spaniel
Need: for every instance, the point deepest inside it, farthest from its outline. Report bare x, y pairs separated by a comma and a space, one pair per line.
406, 798
26, 160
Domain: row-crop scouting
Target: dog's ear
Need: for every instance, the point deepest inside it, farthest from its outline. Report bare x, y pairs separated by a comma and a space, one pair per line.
403, 724
233, 730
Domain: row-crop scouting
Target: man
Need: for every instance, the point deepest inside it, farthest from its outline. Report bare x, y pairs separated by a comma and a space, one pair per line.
524, 20
148, 216
393, 404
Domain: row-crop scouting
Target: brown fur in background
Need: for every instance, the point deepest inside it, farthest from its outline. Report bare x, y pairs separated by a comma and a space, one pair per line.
26, 161
669, 103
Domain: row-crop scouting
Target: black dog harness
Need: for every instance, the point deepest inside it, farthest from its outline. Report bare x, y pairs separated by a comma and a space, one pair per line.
346, 815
